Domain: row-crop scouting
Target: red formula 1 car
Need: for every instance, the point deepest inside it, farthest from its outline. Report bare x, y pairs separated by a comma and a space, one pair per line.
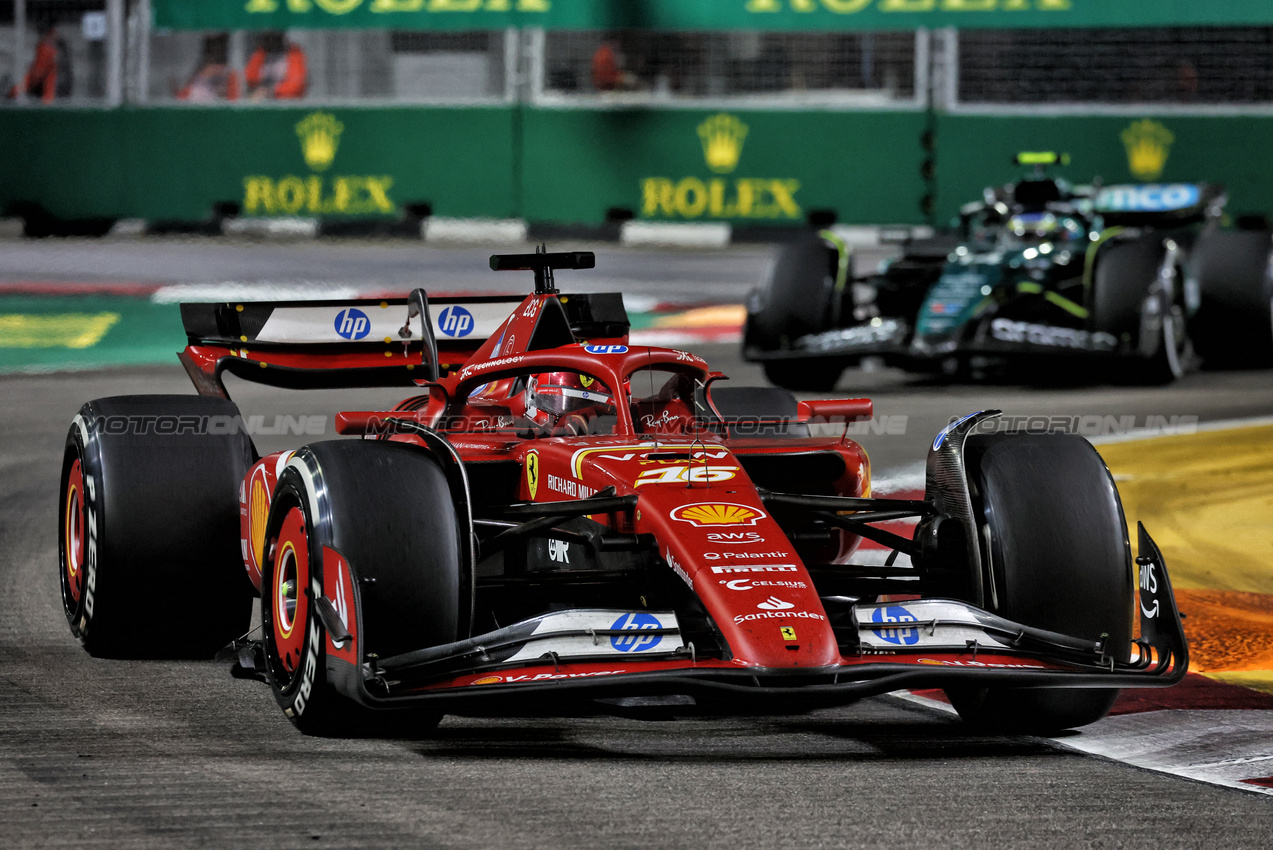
560, 520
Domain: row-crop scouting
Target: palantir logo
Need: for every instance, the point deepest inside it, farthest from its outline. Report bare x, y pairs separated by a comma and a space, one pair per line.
456, 321
352, 323
896, 614
635, 642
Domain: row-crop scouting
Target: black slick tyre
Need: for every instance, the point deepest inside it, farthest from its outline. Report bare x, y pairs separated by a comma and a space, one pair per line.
796, 298
1056, 541
1122, 286
386, 509
1233, 327
148, 519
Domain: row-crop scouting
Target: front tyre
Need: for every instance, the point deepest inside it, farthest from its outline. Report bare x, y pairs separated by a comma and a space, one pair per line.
386, 510
1055, 540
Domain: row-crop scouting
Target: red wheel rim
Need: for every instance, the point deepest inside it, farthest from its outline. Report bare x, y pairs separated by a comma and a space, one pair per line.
74, 541
289, 604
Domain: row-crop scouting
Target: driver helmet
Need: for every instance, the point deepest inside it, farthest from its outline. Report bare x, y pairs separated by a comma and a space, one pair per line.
554, 396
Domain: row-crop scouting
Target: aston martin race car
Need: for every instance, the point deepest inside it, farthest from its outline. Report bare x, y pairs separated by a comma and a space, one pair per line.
556, 520
1133, 281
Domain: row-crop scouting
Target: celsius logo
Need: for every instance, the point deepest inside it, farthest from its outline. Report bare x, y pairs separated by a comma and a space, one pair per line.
455, 321
635, 642
896, 614
352, 323
606, 349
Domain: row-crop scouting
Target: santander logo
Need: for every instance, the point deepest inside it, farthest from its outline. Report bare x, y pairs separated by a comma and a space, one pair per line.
773, 603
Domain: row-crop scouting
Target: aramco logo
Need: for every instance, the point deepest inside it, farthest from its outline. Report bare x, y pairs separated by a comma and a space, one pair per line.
1147, 143
315, 194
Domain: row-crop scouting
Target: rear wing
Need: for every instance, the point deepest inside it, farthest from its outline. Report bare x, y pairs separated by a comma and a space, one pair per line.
365, 342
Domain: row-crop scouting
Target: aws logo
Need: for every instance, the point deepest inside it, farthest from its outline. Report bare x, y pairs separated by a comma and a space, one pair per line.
1147, 144
319, 134
721, 137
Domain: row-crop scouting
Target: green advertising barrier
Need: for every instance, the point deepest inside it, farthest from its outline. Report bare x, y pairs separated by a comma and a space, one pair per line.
704, 14
974, 151
746, 167
575, 165
175, 163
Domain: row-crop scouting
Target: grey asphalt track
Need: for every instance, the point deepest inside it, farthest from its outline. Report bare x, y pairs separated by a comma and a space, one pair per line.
161, 754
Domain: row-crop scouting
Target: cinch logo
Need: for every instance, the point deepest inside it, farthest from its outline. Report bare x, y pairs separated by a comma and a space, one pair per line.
896, 614
1147, 143
635, 642
455, 321
352, 323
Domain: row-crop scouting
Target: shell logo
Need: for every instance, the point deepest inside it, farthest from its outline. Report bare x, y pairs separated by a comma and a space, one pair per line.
708, 514
487, 680
260, 513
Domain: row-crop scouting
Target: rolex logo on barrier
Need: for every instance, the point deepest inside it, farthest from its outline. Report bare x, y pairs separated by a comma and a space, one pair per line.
1147, 143
315, 194
722, 137
320, 136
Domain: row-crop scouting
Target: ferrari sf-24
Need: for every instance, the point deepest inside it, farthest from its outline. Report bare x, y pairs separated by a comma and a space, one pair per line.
557, 520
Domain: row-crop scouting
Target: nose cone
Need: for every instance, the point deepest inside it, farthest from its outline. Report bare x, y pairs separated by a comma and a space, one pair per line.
745, 572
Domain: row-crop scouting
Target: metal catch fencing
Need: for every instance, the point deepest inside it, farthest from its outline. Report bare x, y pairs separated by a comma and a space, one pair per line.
105, 52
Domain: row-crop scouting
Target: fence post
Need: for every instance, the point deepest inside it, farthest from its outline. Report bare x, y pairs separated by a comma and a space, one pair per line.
19, 46
114, 52
142, 92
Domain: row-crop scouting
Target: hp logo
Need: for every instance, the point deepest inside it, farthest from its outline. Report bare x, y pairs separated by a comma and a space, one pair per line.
455, 321
606, 349
896, 614
636, 641
352, 323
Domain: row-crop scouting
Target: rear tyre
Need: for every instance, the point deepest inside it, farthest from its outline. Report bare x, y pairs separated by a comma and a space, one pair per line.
1233, 326
148, 543
1055, 540
387, 509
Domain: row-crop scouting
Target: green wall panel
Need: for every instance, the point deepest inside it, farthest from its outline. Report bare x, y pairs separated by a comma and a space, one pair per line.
746, 167
175, 163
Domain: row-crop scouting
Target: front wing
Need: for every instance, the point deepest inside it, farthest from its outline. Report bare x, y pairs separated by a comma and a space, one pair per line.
602, 654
